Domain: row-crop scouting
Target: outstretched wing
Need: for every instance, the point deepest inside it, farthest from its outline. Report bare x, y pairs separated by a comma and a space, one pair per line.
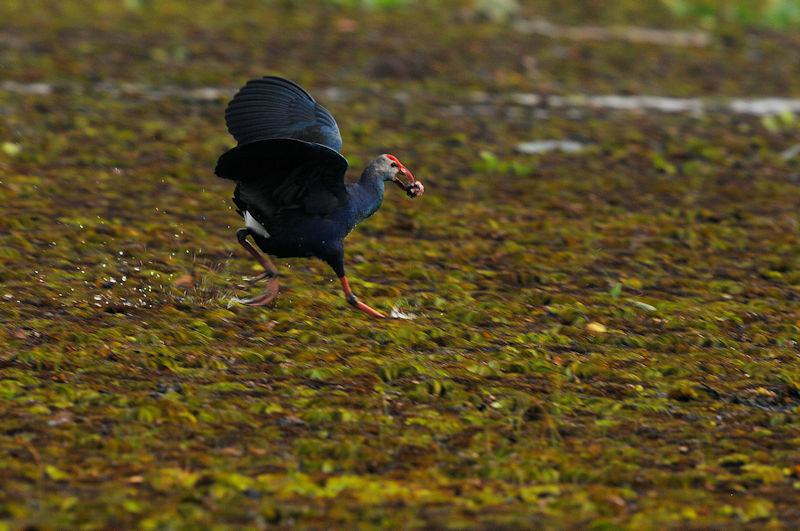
274, 107
283, 173
288, 153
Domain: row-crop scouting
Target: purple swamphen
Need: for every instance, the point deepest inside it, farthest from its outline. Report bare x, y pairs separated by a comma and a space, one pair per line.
289, 177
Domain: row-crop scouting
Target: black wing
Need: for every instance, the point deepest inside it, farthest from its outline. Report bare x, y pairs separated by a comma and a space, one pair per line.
288, 152
281, 173
274, 107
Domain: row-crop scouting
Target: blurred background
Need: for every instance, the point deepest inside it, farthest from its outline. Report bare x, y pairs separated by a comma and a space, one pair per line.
599, 289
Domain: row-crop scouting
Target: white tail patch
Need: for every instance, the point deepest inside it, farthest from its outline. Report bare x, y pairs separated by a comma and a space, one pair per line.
251, 223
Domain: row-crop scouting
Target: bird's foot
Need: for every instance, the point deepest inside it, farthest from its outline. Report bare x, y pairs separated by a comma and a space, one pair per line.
260, 276
353, 301
364, 308
266, 296
415, 189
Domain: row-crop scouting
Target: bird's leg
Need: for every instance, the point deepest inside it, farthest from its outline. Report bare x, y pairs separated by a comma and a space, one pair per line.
269, 269
270, 272
348, 294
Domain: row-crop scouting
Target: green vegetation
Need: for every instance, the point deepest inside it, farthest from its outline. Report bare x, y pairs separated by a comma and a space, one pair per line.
768, 13
602, 338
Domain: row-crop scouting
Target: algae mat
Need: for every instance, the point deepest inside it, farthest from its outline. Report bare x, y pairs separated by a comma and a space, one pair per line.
606, 336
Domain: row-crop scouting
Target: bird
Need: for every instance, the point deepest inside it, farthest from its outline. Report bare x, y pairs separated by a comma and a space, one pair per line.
290, 181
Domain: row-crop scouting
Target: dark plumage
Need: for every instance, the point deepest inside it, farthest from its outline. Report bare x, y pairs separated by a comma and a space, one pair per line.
289, 177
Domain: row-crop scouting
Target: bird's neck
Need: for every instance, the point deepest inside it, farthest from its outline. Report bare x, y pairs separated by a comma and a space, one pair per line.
366, 196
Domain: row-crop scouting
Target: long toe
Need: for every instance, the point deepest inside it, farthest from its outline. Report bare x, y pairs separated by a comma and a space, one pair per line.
368, 310
353, 300
259, 277
261, 300
266, 296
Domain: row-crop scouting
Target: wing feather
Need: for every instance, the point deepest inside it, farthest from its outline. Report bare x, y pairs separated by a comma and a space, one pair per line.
285, 173
274, 107
288, 153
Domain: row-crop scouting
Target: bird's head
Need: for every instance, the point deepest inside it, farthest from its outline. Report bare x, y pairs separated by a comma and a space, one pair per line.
392, 170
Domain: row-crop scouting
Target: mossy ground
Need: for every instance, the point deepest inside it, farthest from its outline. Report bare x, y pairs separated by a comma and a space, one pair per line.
606, 338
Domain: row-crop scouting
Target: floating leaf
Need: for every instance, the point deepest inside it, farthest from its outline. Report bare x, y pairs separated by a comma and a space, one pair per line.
55, 474
616, 290
11, 149
643, 306
596, 328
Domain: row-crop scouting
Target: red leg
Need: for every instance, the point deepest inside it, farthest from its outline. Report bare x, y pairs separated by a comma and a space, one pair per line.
270, 272
348, 294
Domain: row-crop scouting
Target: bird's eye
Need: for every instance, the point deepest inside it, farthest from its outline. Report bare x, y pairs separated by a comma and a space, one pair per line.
394, 164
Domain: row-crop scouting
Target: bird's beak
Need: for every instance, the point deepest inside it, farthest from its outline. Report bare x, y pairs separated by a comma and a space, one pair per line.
414, 188
402, 170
